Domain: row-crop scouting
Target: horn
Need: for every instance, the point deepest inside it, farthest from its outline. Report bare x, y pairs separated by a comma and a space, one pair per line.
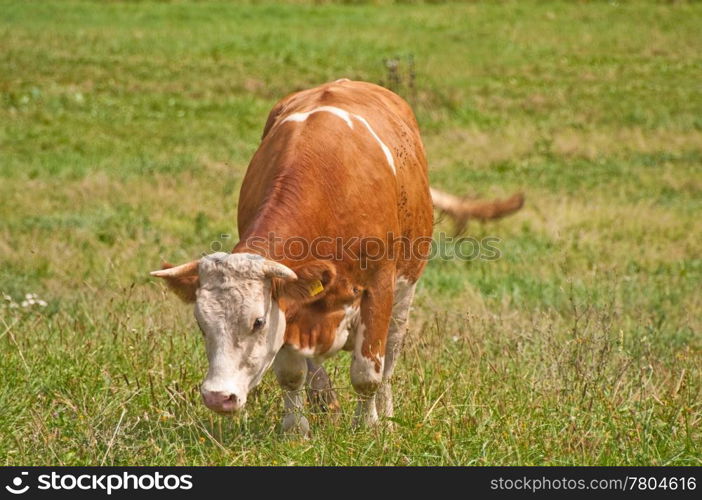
177, 271
273, 269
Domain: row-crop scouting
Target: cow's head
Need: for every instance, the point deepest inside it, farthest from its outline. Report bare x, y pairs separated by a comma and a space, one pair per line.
239, 305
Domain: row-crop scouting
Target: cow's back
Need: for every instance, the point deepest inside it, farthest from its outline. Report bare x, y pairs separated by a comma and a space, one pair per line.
341, 160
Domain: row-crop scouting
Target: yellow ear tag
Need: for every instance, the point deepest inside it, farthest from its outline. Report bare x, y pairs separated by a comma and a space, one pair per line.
315, 288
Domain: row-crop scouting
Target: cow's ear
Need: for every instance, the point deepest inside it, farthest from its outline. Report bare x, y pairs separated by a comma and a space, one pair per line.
313, 280
183, 279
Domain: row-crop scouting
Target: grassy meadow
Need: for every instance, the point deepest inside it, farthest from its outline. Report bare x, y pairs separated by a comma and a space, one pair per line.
125, 131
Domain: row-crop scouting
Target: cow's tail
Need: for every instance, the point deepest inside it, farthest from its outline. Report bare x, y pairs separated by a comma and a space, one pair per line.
462, 210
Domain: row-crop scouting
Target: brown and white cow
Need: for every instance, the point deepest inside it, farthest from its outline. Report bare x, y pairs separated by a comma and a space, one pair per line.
335, 220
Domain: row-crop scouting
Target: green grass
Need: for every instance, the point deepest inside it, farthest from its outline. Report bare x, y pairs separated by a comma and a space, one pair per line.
125, 130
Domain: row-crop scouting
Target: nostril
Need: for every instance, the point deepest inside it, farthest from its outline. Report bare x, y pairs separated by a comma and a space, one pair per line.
228, 401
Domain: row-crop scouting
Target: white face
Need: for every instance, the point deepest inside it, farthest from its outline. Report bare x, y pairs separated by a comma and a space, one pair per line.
242, 324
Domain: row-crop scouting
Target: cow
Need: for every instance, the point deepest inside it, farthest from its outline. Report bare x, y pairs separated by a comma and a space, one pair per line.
335, 222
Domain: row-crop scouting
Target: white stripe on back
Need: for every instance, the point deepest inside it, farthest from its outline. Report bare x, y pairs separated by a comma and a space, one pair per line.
346, 116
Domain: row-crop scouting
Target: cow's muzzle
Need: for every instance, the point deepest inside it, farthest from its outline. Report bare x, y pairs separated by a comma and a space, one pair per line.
222, 401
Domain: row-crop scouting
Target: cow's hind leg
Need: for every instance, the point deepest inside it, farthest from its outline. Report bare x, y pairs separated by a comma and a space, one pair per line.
404, 293
291, 371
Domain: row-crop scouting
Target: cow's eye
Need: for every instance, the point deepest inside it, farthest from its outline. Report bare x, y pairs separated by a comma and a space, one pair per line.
258, 323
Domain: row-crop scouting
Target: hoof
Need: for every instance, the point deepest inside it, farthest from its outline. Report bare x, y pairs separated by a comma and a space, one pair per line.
320, 392
366, 414
296, 425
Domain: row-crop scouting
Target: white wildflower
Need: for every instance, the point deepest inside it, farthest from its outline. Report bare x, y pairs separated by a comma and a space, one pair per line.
30, 300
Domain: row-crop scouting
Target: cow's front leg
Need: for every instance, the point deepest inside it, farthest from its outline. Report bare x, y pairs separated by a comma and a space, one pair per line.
369, 350
291, 371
